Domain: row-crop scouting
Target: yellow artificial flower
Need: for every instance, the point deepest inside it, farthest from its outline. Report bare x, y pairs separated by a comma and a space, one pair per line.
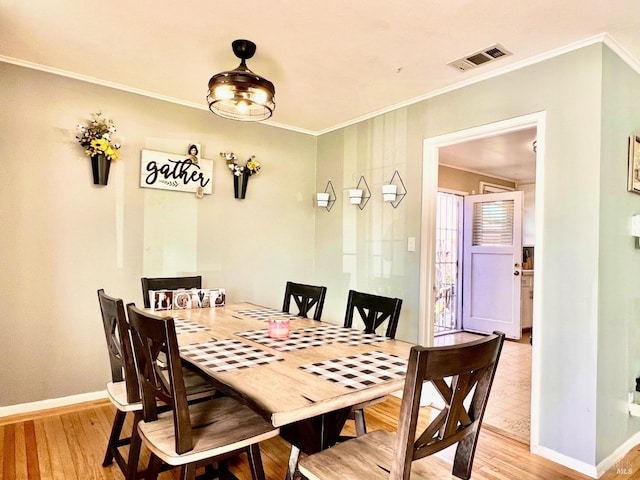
100, 144
111, 153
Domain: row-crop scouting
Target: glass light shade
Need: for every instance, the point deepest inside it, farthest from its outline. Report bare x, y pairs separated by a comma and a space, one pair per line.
240, 94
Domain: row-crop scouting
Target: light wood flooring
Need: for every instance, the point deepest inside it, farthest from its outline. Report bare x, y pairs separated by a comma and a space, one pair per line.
509, 408
68, 444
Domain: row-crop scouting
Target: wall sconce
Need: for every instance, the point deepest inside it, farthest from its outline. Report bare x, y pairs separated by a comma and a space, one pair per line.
391, 193
327, 198
361, 194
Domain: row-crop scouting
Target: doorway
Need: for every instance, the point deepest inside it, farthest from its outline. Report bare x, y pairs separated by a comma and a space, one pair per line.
432, 148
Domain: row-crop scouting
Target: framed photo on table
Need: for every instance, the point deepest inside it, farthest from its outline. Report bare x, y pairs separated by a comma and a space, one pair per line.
633, 184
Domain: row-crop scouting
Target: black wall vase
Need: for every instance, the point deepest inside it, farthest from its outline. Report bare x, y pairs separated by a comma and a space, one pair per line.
240, 183
100, 165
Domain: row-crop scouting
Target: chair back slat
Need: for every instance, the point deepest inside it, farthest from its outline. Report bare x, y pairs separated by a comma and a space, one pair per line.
116, 330
456, 372
154, 338
306, 297
167, 283
374, 310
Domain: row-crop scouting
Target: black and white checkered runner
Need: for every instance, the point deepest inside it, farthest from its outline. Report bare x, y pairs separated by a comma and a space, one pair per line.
263, 314
360, 371
335, 333
296, 340
226, 355
185, 326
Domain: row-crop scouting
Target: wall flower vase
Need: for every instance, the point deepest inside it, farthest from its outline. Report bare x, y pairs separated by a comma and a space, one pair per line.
100, 165
240, 183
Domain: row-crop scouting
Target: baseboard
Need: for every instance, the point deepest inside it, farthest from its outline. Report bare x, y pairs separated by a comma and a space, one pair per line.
572, 463
51, 403
613, 460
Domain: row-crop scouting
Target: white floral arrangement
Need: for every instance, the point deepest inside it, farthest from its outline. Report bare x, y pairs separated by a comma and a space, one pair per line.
251, 165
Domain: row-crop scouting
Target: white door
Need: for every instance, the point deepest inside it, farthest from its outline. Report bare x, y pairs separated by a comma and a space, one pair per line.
492, 263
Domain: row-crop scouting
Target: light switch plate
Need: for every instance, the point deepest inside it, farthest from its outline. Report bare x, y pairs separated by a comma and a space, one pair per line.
411, 244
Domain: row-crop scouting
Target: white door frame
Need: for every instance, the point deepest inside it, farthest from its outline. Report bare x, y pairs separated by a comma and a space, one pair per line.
427, 254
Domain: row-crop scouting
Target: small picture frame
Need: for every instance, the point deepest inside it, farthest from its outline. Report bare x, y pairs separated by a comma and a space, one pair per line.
633, 175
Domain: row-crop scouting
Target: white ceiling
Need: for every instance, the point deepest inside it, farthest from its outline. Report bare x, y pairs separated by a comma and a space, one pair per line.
333, 62
509, 156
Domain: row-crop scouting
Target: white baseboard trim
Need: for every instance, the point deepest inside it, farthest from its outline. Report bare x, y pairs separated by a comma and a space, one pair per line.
572, 463
51, 403
622, 468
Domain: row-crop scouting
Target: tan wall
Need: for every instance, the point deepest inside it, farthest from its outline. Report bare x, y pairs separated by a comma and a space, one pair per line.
464, 181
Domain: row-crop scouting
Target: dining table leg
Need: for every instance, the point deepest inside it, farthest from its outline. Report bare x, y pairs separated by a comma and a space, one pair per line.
312, 435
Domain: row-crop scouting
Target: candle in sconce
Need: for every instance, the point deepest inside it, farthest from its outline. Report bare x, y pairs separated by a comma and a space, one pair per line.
279, 327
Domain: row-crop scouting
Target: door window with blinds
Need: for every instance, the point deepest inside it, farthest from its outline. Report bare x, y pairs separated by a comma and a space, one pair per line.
493, 223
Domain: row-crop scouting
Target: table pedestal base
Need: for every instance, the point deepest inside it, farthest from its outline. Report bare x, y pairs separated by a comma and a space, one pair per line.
313, 435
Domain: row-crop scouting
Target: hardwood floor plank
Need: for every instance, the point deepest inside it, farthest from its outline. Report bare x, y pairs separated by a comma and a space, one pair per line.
21, 469
31, 445
8, 452
2, 450
44, 459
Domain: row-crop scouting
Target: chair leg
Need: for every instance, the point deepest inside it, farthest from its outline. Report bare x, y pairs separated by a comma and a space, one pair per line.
153, 469
134, 448
255, 462
189, 472
361, 425
292, 469
116, 430
463, 460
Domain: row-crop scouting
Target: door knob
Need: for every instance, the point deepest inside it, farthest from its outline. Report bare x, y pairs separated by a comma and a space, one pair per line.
516, 273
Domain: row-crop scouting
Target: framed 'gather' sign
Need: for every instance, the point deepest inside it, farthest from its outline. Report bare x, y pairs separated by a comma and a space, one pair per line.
180, 173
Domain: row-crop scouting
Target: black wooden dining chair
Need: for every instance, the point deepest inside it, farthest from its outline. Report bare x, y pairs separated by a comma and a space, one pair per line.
306, 297
463, 375
374, 312
167, 283
123, 390
189, 435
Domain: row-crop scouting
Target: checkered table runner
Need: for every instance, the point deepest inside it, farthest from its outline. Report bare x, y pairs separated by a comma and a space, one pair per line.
263, 314
297, 340
226, 355
185, 326
360, 371
335, 333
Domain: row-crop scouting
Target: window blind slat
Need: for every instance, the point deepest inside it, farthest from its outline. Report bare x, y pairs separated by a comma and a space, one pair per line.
493, 223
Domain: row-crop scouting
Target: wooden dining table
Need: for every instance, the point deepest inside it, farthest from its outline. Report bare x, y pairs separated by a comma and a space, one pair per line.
305, 384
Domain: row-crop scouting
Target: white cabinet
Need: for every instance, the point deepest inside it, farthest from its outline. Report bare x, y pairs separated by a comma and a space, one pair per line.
526, 300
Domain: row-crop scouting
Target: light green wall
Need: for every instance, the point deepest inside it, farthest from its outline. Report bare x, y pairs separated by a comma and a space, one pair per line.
619, 308
367, 249
63, 238
568, 89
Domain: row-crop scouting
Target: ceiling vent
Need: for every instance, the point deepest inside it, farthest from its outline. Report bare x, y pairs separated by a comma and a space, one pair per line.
474, 60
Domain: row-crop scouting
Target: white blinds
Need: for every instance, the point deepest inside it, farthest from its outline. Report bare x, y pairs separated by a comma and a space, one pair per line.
493, 223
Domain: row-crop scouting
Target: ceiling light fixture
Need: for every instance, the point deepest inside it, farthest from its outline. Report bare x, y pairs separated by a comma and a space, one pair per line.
241, 94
